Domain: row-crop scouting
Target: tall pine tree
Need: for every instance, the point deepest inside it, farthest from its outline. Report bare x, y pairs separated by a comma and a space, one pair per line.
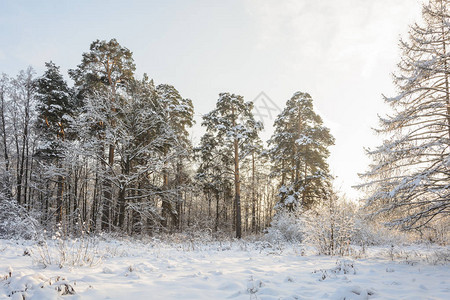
299, 150
105, 72
233, 123
178, 113
54, 112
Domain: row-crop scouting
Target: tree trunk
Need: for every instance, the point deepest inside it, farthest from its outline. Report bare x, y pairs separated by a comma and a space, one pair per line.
59, 198
4, 140
216, 228
107, 191
237, 185
297, 156
7, 183
253, 194
176, 217
122, 194
166, 207
107, 194
95, 202
305, 185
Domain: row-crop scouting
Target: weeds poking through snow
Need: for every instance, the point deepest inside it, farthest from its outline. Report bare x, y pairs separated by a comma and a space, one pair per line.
65, 289
253, 287
66, 252
343, 267
438, 257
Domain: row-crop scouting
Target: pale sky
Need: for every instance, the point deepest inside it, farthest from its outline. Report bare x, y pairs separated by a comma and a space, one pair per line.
342, 52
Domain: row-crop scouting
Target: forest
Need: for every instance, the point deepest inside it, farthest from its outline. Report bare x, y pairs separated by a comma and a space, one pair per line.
106, 194
112, 153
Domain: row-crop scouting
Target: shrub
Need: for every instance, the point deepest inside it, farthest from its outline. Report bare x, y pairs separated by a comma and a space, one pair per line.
61, 252
286, 227
16, 221
330, 227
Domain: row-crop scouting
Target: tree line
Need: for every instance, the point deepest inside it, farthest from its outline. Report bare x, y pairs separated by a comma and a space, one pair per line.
112, 153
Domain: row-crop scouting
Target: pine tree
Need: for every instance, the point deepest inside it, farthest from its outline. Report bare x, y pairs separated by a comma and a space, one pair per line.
254, 167
298, 150
215, 165
178, 113
104, 72
232, 122
106, 65
54, 112
142, 133
409, 181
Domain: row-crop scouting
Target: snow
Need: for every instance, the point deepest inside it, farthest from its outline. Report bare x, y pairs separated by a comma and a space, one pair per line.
304, 140
225, 270
290, 199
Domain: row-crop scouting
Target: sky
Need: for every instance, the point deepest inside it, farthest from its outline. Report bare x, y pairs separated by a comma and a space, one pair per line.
341, 52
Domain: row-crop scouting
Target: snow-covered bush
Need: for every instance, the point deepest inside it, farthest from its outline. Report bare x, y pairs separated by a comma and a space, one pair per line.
16, 221
62, 252
438, 232
439, 257
330, 227
370, 233
286, 226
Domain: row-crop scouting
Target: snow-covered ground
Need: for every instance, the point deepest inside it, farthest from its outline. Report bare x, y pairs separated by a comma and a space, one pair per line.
220, 270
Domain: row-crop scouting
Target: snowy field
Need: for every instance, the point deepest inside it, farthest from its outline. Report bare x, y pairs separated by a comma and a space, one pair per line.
218, 270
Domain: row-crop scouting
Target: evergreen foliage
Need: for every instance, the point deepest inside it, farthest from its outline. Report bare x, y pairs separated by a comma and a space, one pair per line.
233, 124
54, 109
298, 150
